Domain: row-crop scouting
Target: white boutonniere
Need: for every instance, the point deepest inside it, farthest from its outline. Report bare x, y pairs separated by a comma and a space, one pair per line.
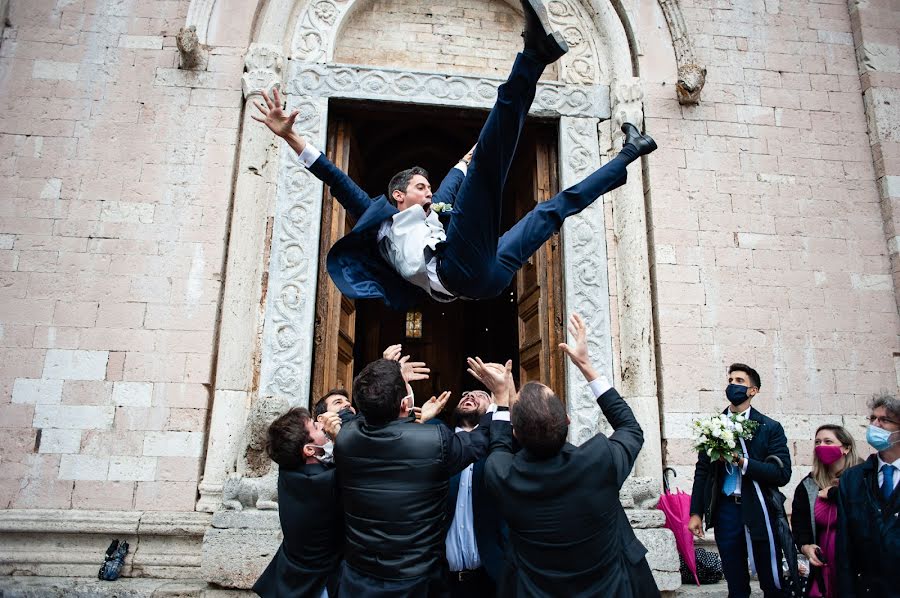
442, 208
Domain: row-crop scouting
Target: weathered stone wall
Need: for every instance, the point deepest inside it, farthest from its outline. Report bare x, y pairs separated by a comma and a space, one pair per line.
115, 180
768, 241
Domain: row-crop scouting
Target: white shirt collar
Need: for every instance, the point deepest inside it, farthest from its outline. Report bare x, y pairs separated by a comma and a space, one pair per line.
882, 463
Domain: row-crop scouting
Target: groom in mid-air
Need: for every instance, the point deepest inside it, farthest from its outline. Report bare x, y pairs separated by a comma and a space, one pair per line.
398, 250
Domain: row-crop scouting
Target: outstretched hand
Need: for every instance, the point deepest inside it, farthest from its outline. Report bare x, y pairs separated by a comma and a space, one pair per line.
579, 352
274, 115
494, 376
331, 422
413, 370
434, 406
393, 352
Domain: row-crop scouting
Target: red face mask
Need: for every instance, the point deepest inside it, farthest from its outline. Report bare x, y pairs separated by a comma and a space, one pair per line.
828, 453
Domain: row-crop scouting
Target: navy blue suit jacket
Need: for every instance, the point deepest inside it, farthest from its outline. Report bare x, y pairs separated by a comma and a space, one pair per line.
354, 262
769, 439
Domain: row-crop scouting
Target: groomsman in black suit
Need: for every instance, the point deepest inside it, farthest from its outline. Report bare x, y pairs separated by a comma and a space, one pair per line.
568, 533
307, 563
731, 496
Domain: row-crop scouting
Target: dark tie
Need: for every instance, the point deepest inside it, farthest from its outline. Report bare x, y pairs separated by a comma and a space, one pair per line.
887, 487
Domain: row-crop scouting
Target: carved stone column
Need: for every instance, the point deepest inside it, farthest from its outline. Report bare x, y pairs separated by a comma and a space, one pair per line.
238, 353
635, 304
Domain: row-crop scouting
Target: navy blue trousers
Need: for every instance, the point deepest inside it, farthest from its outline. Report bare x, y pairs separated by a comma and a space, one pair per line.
732, 543
476, 261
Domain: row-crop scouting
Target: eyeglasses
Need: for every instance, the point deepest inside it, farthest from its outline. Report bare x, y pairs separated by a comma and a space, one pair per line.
882, 420
475, 394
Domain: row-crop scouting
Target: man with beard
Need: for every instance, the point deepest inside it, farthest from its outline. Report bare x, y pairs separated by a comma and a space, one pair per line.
476, 536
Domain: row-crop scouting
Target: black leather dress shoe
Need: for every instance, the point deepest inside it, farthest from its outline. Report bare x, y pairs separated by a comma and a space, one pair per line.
643, 143
540, 40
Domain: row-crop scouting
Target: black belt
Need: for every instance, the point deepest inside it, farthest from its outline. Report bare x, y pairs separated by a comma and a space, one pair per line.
736, 499
453, 295
467, 575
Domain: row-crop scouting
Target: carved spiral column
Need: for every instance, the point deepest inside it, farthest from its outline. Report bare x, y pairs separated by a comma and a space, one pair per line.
241, 314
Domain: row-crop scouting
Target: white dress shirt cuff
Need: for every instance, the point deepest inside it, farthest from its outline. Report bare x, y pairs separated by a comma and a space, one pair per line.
600, 386
501, 416
309, 155
462, 166
744, 468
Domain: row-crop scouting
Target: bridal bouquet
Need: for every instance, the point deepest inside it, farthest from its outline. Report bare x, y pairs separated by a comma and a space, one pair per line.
719, 436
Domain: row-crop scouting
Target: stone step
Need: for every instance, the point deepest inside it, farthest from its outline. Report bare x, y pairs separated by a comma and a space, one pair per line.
86, 587
713, 590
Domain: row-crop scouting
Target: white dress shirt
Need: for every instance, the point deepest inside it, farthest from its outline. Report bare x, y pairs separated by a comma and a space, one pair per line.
462, 549
408, 240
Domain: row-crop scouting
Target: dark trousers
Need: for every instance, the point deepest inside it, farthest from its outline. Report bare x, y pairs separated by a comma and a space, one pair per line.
472, 584
732, 542
476, 262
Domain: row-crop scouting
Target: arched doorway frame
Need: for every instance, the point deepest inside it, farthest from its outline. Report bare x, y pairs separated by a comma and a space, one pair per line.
265, 346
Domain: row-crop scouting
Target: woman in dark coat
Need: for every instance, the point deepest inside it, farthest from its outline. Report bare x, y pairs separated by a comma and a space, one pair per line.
814, 513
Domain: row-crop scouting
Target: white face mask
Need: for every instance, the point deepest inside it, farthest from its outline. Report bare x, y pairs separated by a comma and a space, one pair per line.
328, 452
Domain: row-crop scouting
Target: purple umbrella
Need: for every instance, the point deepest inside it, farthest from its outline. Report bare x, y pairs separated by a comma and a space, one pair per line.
677, 508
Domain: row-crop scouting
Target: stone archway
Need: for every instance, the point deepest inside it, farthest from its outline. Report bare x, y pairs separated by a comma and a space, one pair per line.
266, 346
595, 94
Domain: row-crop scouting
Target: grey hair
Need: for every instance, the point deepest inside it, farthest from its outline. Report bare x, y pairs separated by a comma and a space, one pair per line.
885, 399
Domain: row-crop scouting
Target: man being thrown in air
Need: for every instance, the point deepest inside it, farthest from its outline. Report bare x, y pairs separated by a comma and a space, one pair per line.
399, 251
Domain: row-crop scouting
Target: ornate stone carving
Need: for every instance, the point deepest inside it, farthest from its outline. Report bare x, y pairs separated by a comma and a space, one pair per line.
255, 484
262, 68
587, 286
350, 81
320, 22
192, 54
628, 106
691, 75
290, 311
580, 64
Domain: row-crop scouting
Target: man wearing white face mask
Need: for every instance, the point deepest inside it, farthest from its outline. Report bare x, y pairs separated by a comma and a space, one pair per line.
308, 561
868, 535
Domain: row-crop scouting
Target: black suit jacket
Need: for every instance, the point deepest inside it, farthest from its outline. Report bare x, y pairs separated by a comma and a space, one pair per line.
312, 524
569, 535
868, 534
490, 529
769, 439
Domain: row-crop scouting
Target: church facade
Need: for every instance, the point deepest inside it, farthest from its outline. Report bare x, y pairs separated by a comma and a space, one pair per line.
161, 253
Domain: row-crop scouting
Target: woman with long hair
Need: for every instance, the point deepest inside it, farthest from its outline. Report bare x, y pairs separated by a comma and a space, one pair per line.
814, 514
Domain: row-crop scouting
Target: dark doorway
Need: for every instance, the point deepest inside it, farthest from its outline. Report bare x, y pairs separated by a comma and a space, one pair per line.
373, 141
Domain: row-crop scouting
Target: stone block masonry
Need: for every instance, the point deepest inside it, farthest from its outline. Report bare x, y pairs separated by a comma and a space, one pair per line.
769, 239
114, 187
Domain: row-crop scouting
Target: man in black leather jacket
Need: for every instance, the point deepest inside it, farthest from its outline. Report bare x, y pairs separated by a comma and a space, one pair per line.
394, 477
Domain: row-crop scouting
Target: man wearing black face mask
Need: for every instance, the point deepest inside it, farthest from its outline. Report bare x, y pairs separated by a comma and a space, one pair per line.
730, 496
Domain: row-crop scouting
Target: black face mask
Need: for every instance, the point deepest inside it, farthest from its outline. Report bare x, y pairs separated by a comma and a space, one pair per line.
736, 394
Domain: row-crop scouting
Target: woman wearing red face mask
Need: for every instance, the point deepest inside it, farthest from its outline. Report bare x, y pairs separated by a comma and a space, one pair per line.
814, 514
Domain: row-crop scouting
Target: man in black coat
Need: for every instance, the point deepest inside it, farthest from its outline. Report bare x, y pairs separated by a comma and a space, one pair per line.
731, 496
868, 533
568, 533
393, 475
308, 560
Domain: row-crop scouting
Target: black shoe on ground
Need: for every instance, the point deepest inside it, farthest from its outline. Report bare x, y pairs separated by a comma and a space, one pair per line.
541, 42
643, 143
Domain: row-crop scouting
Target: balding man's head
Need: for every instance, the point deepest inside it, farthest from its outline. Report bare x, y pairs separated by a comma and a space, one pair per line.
539, 420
